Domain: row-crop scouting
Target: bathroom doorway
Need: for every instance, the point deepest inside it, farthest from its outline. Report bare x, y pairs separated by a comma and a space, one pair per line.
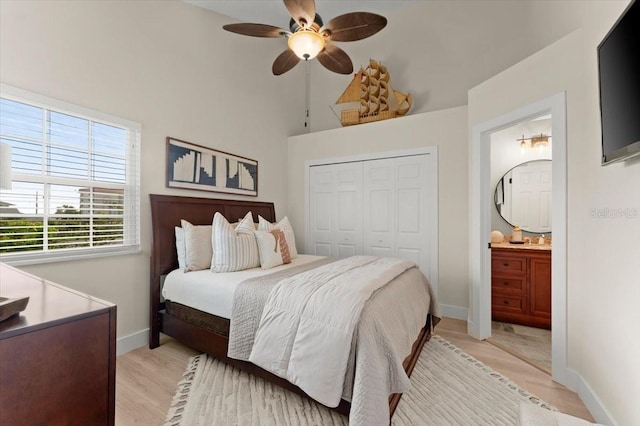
521, 178
481, 203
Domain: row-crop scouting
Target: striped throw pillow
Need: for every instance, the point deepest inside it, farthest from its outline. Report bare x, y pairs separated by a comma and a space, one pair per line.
234, 249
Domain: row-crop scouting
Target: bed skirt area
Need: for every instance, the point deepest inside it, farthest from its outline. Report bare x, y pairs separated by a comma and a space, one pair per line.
198, 318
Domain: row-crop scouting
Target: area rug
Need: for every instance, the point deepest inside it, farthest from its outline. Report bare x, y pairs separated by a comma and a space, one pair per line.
448, 387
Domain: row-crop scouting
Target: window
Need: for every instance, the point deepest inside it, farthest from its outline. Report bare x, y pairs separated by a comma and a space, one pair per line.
75, 181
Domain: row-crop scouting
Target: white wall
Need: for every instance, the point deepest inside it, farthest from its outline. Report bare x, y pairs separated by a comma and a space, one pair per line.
445, 129
439, 49
169, 66
603, 252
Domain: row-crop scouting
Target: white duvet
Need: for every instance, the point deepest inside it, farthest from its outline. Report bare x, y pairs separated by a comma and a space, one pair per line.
317, 309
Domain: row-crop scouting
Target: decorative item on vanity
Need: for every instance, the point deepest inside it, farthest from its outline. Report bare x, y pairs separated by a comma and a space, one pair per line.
516, 235
497, 237
541, 240
309, 38
371, 88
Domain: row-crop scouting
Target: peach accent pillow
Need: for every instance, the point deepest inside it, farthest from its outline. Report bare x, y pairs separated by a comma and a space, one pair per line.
285, 226
273, 248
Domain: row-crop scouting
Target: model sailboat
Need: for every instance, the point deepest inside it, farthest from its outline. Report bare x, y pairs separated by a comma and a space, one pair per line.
371, 88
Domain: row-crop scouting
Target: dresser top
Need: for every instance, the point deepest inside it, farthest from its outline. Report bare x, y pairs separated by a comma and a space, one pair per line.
49, 303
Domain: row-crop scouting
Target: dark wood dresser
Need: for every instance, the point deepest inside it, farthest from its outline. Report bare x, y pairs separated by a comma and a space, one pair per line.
58, 357
521, 285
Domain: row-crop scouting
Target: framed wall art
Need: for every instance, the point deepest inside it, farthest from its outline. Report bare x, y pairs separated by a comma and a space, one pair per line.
192, 166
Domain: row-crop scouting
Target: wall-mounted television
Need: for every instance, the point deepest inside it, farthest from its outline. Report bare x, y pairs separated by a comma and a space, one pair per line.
619, 77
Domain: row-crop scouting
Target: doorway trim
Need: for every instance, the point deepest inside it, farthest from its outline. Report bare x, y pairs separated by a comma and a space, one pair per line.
479, 324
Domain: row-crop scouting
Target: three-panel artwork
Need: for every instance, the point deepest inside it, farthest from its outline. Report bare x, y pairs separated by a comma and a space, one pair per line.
192, 166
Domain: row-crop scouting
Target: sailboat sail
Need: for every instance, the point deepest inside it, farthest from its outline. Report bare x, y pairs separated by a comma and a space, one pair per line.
374, 98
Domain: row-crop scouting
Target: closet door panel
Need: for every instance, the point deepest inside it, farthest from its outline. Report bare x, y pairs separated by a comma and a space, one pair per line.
348, 210
379, 211
321, 207
412, 215
409, 254
322, 249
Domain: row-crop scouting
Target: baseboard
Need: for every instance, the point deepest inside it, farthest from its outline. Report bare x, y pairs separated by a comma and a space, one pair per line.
132, 341
451, 311
593, 403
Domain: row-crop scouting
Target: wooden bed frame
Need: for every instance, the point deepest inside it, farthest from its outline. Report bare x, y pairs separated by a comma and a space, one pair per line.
166, 213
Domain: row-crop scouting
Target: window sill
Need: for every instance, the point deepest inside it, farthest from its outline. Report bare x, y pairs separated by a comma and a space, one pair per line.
19, 259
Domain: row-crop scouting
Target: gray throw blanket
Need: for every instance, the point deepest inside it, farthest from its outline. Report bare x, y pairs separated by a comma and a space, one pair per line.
248, 304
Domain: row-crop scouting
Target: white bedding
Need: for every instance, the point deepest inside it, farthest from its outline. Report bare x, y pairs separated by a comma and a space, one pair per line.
212, 292
319, 309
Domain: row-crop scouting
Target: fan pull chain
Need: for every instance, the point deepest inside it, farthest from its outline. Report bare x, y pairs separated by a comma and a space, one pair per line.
307, 90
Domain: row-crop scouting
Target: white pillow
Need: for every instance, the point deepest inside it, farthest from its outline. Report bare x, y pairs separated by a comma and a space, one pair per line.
180, 248
285, 225
197, 244
273, 248
235, 249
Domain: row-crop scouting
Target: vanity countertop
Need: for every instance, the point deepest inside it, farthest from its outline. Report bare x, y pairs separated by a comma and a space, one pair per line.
525, 246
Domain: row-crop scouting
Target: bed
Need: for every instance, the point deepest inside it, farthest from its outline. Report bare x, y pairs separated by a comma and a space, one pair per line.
205, 331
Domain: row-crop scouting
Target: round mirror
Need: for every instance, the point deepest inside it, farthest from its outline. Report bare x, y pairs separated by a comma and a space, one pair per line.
523, 196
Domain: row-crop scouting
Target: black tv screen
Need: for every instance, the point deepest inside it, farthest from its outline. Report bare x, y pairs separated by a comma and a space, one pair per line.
619, 75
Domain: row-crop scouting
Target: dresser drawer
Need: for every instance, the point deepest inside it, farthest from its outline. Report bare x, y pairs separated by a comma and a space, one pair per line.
512, 304
508, 285
509, 265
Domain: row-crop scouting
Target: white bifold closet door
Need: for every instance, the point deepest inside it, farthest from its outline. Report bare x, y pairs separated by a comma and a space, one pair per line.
396, 219
336, 209
375, 207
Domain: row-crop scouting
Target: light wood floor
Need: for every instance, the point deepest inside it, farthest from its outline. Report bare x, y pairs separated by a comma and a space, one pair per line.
146, 379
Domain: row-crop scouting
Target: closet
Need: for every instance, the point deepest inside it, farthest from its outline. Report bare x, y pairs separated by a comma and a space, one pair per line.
381, 205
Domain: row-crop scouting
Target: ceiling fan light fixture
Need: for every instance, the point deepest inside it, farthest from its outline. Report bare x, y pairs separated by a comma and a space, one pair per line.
306, 44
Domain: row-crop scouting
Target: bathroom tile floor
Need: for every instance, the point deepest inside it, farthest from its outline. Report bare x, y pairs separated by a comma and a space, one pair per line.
532, 345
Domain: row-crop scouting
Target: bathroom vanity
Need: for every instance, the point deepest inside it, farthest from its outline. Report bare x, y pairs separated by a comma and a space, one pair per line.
521, 284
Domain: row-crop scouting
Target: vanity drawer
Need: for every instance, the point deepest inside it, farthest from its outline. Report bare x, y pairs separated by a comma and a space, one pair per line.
512, 304
508, 285
508, 265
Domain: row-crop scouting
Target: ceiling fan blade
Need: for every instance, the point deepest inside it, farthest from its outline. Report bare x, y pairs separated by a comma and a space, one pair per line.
335, 59
284, 62
354, 26
256, 30
302, 11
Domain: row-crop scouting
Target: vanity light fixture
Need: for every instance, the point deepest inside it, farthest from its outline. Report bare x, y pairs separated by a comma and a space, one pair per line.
539, 142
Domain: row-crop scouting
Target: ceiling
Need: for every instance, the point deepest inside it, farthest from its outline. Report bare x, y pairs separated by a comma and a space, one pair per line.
273, 12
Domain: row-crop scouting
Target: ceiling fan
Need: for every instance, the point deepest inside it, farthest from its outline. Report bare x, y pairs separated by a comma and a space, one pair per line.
309, 37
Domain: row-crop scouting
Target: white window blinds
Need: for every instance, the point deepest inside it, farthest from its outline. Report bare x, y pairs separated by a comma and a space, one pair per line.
75, 180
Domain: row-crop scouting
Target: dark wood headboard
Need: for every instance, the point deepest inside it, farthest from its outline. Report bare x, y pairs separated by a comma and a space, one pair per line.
166, 213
